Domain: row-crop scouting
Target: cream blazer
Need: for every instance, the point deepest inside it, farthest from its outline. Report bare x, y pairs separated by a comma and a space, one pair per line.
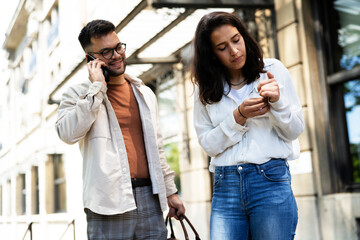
85, 115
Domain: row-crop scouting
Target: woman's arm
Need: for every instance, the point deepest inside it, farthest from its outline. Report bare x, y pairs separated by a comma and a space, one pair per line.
215, 139
286, 113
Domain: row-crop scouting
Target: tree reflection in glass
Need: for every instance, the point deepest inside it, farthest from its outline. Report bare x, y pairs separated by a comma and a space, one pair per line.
352, 107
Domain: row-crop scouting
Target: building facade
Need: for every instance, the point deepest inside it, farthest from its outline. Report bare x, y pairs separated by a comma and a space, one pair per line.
41, 177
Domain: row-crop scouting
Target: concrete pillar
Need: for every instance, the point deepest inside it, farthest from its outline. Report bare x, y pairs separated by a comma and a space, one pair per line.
295, 53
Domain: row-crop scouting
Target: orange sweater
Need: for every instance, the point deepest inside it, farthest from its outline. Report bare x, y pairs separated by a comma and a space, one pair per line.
127, 113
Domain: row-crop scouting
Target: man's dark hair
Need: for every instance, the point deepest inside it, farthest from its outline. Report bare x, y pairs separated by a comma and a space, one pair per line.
208, 72
94, 29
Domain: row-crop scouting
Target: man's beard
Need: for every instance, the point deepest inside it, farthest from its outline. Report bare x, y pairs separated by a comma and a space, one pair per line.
115, 74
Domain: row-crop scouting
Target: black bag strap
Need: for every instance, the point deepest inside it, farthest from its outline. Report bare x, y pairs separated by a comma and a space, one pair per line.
197, 237
172, 235
181, 218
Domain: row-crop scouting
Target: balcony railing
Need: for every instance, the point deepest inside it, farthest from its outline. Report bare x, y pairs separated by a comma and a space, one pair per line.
28, 230
67, 228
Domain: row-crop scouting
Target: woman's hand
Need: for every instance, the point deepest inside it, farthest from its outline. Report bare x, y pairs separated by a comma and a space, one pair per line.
249, 108
269, 88
253, 107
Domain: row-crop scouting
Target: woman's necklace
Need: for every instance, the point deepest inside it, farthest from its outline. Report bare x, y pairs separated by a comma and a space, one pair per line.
238, 84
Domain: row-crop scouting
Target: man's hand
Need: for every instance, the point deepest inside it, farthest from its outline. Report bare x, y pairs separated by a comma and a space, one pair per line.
269, 88
95, 71
176, 206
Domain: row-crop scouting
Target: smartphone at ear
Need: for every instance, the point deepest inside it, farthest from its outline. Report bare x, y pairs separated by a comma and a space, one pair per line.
104, 69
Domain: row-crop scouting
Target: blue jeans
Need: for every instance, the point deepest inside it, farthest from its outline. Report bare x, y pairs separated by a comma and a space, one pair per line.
253, 202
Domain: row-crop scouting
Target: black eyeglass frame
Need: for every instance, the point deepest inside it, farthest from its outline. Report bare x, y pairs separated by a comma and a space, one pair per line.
123, 47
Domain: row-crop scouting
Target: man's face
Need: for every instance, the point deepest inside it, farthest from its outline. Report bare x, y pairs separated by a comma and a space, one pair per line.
117, 63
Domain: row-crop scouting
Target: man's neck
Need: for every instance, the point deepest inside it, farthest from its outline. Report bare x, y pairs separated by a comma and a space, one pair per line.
117, 80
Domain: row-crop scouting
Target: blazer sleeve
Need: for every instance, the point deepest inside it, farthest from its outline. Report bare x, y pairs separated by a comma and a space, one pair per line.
78, 110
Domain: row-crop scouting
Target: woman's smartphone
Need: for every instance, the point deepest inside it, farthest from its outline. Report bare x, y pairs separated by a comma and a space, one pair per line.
104, 69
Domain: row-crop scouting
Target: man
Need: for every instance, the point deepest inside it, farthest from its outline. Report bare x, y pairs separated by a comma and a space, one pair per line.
126, 180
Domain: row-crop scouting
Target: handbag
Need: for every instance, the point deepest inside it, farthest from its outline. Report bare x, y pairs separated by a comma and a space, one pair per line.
181, 219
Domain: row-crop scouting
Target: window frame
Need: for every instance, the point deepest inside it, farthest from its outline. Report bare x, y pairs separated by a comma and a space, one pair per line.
21, 194
59, 179
1, 200
340, 157
35, 194
54, 199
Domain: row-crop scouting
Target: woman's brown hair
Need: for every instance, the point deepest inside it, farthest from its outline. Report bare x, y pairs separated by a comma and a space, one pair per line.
207, 71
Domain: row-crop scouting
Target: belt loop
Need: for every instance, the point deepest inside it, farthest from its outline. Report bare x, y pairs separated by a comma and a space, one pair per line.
258, 169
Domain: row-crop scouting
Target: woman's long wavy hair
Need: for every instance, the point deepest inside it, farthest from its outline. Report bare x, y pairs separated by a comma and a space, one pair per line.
207, 71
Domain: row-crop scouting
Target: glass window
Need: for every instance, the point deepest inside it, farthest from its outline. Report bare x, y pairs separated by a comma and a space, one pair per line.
23, 194
1, 202
55, 185
53, 19
342, 23
20, 194
348, 31
261, 26
35, 190
33, 58
169, 121
8, 203
59, 184
352, 108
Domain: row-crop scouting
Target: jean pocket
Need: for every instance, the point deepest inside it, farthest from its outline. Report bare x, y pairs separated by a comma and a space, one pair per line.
279, 173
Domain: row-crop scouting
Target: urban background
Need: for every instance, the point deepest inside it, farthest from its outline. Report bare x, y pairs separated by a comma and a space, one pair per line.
41, 177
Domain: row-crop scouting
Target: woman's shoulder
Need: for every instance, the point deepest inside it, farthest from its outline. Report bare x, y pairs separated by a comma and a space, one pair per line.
268, 62
273, 64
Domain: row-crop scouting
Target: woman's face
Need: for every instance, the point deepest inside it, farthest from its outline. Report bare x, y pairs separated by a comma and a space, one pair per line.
229, 47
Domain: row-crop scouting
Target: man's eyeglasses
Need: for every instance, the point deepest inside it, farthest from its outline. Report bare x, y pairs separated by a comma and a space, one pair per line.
108, 53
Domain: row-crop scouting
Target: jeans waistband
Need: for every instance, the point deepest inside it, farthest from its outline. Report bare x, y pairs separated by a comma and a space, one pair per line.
248, 167
140, 182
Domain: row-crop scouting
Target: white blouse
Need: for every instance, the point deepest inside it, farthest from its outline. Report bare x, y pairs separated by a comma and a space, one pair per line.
272, 135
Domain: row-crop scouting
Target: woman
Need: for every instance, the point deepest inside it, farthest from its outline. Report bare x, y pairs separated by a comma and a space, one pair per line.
247, 117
